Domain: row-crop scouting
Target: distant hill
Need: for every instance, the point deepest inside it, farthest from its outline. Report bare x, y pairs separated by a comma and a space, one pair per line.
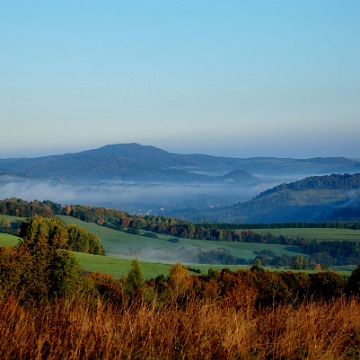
134, 162
316, 198
126, 162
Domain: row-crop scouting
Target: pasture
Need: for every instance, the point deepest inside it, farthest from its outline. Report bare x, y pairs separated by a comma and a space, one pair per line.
122, 247
110, 265
313, 233
7, 239
125, 244
116, 265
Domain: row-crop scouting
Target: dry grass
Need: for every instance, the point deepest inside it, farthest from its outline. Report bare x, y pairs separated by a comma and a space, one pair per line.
197, 331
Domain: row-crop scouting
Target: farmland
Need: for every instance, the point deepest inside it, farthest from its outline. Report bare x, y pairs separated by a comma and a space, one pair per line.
120, 243
115, 265
158, 254
313, 233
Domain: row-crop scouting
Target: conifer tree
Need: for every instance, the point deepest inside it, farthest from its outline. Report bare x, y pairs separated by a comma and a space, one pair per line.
134, 283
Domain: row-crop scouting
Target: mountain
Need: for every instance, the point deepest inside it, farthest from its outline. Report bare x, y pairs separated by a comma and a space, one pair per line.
126, 162
147, 178
134, 162
315, 198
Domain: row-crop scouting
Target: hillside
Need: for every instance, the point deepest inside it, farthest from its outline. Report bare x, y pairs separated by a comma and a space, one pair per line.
134, 162
316, 198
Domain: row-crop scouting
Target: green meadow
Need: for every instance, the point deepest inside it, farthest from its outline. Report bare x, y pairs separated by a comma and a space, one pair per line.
313, 233
121, 248
115, 265
7, 239
122, 243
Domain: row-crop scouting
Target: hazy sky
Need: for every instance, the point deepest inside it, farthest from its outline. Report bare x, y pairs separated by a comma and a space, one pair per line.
233, 78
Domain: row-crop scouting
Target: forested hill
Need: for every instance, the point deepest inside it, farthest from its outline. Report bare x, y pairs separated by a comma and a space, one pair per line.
316, 198
333, 182
134, 162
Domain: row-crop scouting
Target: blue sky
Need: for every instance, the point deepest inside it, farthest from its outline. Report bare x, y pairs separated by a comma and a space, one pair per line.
230, 78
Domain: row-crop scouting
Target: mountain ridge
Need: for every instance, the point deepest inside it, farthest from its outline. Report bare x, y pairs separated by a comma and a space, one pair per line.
135, 162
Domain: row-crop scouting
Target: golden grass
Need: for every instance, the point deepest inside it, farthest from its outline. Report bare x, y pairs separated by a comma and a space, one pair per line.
84, 330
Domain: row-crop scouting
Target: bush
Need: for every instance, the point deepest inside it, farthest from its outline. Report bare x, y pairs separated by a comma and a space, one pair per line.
133, 231
107, 287
151, 235
353, 285
196, 271
241, 261
38, 269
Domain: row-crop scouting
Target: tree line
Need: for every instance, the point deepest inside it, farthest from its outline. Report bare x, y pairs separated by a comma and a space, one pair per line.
328, 253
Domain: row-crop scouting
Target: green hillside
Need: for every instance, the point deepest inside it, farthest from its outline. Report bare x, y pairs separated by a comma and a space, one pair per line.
315, 198
124, 244
122, 247
312, 233
115, 265
7, 239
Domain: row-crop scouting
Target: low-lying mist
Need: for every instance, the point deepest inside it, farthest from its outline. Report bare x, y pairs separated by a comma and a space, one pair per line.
184, 254
135, 197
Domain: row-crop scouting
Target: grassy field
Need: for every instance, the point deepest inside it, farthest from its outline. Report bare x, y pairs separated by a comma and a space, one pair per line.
122, 243
10, 218
312, 233
116, 265
122, 247
7, 239
119, 266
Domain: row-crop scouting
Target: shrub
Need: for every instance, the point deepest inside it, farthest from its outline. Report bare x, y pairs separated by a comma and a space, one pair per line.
353, 285
133, 231
151, 235
38, 269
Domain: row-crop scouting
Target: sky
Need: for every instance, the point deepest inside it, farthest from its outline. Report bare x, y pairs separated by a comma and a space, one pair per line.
228, 78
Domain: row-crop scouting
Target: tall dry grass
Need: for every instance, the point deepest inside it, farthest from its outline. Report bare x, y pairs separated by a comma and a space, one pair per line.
82, 330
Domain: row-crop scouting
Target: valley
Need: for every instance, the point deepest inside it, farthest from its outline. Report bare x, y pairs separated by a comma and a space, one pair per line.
198, 187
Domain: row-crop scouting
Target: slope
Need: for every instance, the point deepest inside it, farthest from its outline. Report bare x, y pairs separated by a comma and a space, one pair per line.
315, 198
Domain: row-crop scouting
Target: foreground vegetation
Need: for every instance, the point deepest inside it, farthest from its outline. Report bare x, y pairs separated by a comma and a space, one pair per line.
82, 330
50, 308
222, 315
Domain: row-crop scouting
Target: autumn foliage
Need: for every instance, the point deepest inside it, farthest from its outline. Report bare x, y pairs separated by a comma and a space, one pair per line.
50, 309
220, 316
